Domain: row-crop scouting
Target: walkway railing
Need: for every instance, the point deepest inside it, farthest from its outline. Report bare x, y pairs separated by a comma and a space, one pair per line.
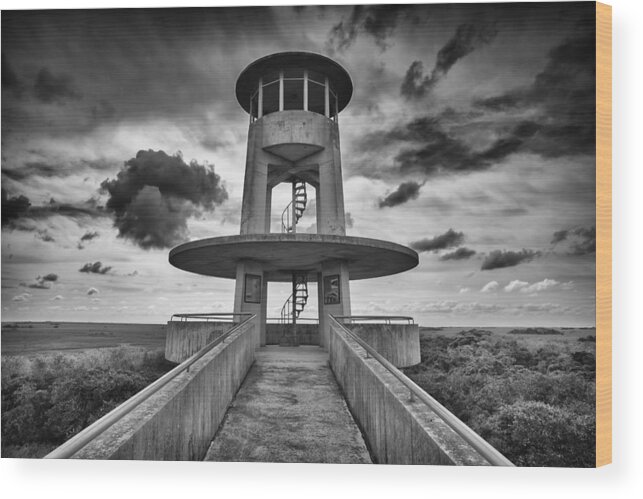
214, 316
486, 450
76, 443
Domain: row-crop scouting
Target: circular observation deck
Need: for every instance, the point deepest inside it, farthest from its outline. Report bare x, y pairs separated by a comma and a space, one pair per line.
339, 80
283, 254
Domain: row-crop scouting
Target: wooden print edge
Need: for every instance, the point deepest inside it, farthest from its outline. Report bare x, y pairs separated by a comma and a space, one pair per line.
603, 234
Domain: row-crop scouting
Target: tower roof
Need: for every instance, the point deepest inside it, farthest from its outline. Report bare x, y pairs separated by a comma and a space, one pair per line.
339, 78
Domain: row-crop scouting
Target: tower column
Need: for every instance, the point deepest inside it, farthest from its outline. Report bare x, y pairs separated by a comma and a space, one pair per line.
250, 295
334, 295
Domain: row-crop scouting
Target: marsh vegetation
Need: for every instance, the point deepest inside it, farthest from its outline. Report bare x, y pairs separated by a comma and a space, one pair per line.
532, 399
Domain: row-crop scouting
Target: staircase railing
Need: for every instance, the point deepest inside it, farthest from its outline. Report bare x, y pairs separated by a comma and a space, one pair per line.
296, 302
295, 209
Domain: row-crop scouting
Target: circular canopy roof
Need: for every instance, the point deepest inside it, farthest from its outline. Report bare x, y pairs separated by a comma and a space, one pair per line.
282, 254
339, 78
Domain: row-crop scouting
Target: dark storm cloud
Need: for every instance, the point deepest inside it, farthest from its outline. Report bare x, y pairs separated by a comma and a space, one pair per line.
88, 236
13, 208
94, 268
499, 259
449, 239
10, 80
44, 282
561, 98
436, 152
377, 21
44, 235
404, 192
582, 240
50, 88
50, 169
154, 194
466, 39
459, 254
17, 210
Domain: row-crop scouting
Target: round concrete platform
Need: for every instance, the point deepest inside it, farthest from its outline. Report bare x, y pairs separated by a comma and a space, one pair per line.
281, 254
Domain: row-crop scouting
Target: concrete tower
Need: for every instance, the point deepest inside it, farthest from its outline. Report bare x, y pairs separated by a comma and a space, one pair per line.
293, 100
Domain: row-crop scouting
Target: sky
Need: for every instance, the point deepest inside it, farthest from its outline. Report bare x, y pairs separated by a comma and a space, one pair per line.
470, 137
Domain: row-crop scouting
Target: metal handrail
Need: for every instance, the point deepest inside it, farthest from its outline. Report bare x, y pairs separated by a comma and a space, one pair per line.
385, 318
74, 444
484, 448
209, 315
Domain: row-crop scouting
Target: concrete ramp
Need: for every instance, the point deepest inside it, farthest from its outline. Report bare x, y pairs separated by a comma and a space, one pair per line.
289, 409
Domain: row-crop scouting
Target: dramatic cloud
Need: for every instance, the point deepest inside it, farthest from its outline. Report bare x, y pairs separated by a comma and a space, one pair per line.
31, 169
154, 194
561, 99
44, 235
466, 39
94, 268
459, 254
404, 192
13, 208
50, 88
581, 240
87, 236
17, 209
92, 291
44, 282
377, 21
449, 239
499, 259
436, 152
490, 287
10, 81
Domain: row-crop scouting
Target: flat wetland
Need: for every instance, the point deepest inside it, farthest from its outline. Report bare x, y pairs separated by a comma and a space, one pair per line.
28, 338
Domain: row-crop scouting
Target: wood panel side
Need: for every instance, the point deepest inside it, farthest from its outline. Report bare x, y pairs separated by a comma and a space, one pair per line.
603, 234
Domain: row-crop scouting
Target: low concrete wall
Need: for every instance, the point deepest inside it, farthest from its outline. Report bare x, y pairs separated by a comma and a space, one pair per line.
185, 338
179, 421
397, 430
308, 334
397, 343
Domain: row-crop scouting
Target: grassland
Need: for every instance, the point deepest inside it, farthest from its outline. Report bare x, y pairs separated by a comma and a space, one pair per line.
531, 395
58, 378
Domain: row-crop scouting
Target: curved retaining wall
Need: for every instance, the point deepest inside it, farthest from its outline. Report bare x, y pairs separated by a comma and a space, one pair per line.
397, 430
185, 338
307, 334
179, 421
397, 343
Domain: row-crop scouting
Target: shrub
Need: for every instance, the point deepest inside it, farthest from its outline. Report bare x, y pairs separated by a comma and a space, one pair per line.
492, 383
533, 433
49, 398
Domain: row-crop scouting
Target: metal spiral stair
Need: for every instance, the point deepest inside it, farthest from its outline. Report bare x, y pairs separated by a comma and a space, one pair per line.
296, 302
295, 209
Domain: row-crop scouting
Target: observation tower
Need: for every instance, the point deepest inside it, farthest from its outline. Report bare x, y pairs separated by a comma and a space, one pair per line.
293, 100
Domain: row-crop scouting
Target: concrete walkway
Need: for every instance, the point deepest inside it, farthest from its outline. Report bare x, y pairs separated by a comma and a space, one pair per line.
289, 410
